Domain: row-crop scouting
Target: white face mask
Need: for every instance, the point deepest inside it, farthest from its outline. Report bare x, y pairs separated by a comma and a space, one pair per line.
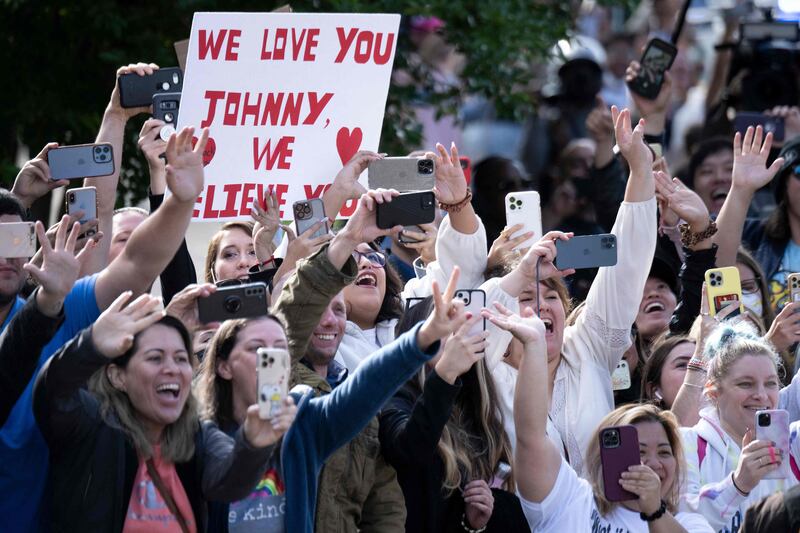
752, 302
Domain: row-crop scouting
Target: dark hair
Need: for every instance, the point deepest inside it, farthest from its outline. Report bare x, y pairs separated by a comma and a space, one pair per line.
767, 314
10, 204
216, 394
473, 440
651, 375
777, 227
703, 150
392, 305
167, 320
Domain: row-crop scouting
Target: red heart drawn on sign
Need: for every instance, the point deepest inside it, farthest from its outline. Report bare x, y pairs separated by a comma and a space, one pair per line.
208, 153
348, 143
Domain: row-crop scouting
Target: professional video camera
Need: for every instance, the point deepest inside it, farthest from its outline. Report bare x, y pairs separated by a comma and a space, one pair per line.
766, 62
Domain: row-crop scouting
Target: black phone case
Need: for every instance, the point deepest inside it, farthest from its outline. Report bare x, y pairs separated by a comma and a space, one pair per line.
407, 209
239, 301
641, 84
138, 91
166, 107
587, 251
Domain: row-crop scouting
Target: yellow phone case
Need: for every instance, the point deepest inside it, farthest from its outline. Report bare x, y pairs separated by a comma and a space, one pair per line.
723, 285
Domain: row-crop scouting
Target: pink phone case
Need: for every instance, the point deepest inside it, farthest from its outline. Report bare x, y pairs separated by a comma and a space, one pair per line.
776, 431
619, 449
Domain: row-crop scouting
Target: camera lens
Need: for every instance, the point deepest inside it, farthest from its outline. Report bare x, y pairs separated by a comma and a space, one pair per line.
425, 166
168, 117
105, 149
764, 419
97, 149
233, 304
71, 198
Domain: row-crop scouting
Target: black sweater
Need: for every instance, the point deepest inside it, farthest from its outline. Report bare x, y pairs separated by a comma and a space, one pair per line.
410, 428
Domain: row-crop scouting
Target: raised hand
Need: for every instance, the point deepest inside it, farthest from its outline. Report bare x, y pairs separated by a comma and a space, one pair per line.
451, 185
347, 178
425, 243
60, 266
631, 141
750, 171
185, 165
599, 123
362, 226
142, 69
785, 329
90, 226
448, 313
262, 433
183, 305
546, 250
683, 201
34, 180
153, 146
755, 462
504, 244
528, 328
645, 483
461, 351
115, 328
648, 107
267, 223
478, 503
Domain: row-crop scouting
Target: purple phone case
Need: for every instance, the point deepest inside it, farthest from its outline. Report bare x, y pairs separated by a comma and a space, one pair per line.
777, 432
616, 460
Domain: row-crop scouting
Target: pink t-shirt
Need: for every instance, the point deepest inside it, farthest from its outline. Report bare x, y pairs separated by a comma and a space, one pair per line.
147, 510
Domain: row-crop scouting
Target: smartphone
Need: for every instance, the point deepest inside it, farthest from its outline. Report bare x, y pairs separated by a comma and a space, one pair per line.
524, 208
17, 239
401, 174
656, 60
474, 301
587, 251
81, 161
237, 301
466, 166
793, 281
773, 425
138, 91
166, 107
407, 209
307, 213
411, 302
621, 378
723, 285
619, 450
500, 475
775, 125
274, 365
83, 199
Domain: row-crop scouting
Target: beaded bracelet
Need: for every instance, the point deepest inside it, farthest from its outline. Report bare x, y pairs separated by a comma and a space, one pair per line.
458, 206
697, 365
467, 528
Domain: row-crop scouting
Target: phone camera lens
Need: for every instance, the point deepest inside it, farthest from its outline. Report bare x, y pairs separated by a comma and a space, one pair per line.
764, 419
519, 203
512, 200
263, 364
97, 149
72, 198
271, 360
425, 166
175, 78
611, 439
512, 207
165, 86
105, 149
233, 304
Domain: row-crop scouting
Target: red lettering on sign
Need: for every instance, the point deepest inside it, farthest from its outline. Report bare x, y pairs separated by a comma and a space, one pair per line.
231, 192
208, 43
209, 212
281, 153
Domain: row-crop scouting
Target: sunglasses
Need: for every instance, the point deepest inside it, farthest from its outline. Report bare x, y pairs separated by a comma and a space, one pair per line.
376, 259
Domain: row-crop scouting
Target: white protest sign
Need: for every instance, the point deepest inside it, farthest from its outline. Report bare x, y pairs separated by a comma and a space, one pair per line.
288, 99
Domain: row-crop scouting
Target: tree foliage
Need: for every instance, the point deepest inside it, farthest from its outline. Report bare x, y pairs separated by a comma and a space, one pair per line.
60, 58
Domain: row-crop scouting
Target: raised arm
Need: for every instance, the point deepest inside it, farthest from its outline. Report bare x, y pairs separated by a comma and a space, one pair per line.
750, 173
112, 130
39, 319
180, 271
345, 185
154, 243
411, 427
535, 454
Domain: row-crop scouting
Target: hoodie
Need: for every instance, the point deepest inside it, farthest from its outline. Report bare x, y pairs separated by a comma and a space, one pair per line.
711, 458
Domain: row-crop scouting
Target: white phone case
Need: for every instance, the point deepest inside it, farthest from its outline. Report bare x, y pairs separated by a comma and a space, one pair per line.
274, 365
524, 208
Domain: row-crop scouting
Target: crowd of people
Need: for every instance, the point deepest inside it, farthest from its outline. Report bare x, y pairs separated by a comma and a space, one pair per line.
123, 411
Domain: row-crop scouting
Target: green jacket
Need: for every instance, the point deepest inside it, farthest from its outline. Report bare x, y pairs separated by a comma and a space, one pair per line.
358, 489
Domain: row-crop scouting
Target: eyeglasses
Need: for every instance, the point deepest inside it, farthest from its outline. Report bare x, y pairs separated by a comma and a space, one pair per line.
750, 286
376, 259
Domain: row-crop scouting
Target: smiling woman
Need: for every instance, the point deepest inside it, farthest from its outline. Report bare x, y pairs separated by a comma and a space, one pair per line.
140, 416
728, 469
